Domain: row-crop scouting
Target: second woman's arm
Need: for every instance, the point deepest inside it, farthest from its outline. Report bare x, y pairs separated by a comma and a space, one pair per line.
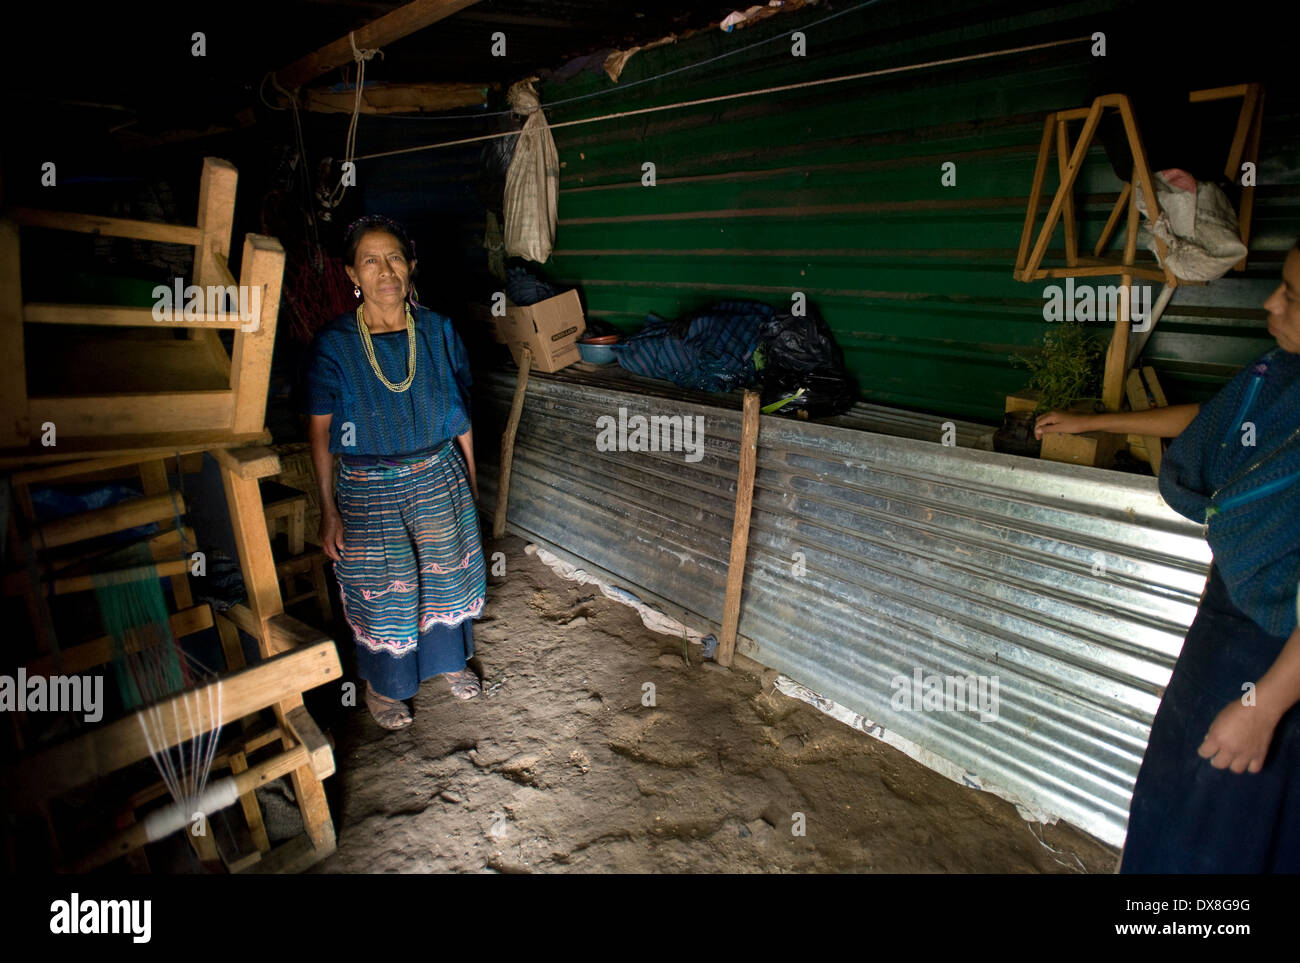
466, 442
322, 459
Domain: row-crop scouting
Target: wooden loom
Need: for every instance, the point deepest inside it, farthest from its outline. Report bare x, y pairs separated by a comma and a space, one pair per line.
1033, 248
153, 398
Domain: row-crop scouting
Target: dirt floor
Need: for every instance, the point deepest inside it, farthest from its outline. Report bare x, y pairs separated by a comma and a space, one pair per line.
559, 767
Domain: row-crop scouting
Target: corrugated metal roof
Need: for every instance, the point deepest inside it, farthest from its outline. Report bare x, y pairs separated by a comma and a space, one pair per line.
1073, 587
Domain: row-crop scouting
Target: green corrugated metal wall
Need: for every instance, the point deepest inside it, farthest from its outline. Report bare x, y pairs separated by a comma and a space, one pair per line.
835, 191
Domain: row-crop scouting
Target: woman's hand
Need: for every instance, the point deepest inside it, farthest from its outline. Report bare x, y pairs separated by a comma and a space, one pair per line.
1238, 738
1063, 421
331, 534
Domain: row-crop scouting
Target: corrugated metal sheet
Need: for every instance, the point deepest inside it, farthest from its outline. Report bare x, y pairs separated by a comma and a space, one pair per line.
1073, 587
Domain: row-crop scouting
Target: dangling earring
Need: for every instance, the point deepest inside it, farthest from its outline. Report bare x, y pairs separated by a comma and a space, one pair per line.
356, 292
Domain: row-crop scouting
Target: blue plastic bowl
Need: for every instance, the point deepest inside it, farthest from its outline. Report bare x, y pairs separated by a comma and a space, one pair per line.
596, 353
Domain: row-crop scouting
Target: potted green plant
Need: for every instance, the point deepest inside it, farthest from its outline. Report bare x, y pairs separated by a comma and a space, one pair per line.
1064, 373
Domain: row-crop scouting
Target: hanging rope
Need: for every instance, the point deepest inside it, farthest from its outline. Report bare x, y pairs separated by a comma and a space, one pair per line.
360, 56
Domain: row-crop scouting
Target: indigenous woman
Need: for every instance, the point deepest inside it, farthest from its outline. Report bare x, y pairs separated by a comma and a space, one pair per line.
1219, 786
388, 393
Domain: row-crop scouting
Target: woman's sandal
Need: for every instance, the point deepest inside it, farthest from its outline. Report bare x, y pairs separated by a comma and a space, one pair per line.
464, 684
390, 714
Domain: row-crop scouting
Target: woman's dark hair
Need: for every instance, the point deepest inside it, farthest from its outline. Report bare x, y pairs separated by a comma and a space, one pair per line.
375, 222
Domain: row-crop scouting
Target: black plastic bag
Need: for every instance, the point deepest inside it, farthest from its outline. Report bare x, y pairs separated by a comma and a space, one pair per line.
802, 365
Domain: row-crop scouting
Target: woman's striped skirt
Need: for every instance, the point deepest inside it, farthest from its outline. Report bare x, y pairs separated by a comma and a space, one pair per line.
411, 573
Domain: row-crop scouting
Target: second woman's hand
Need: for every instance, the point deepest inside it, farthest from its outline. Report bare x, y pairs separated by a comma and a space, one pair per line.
1239, 737
331, 535
1061, 421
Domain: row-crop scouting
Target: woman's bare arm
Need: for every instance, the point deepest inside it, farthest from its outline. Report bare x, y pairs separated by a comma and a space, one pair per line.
466, 442
322, 459
1240, 735
1168, 422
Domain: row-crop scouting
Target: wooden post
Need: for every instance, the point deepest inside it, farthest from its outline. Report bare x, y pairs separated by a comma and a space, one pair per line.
740, 528
261, 270
14, 427
216, 218
1137, 400
216, 223
1071, 229
1067, 183
1035, 190
153, 481
1113, 221
240, 471
508, 444
1112, 388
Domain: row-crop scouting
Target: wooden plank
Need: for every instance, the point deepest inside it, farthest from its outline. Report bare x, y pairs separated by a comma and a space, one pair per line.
249, 463
248, 523
121, 363
1153, 386
166, 412
1113, 221
1066, 185
1137, 400
79, 658
740, 528
508, 443
15, 426
133, 446
1035, 193
1217, 93
308, 734
288, 858
216, 220
86, 583
40, 312
153, 478
216, 217
1112, 385
112, 518
107, 226
1246, 211
378, 33
245, 782
1096, 448
290, 633
1067, 211
1101, 270
108, 748
1245, 118
262, 269
77, 471
399, 98
248, 803
1141, 174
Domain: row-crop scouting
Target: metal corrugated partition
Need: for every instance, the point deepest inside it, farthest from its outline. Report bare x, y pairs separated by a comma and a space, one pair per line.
1072, 587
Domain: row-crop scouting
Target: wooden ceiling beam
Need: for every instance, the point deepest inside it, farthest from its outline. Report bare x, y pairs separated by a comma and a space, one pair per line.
391, 27
400, 98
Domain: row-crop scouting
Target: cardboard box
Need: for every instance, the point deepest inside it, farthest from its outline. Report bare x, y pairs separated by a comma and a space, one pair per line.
550, 328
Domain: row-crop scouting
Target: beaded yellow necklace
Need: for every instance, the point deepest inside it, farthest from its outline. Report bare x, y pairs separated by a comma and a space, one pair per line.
370, 351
